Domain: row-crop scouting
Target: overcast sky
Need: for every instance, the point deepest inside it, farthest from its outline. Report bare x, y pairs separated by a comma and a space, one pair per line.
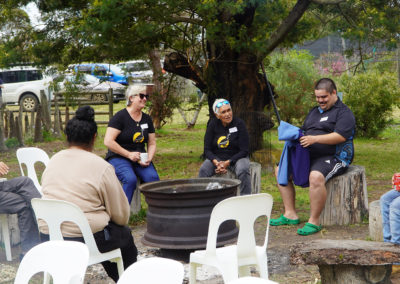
33, 13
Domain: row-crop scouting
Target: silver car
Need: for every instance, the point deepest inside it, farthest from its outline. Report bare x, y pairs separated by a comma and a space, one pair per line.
93, 86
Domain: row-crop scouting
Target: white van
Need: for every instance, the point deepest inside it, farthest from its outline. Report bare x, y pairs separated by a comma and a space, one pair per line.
22, 85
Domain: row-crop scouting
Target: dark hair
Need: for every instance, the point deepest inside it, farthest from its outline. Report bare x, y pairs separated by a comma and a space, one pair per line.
82, 127
325, 84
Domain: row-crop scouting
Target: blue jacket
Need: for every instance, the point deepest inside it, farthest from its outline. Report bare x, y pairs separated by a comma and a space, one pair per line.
295, 159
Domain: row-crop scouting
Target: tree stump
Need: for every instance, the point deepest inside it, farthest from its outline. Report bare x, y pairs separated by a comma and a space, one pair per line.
348, 261
347, 200
14, 229
255, 177
136, 203
375, 221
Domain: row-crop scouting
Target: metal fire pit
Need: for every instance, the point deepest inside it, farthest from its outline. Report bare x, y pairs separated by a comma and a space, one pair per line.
179, 212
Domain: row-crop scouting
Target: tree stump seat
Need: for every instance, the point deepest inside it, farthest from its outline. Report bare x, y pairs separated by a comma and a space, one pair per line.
348, 261
255, 176
375, 221
347, 199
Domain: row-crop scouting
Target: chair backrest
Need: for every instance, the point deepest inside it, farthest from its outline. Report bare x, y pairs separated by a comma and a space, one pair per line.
65, 261
153, 270
29, 156
245, 210
55, 212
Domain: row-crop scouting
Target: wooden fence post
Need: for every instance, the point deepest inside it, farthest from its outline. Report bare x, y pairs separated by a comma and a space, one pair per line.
38, 126
3, 146
110, 103
45, 111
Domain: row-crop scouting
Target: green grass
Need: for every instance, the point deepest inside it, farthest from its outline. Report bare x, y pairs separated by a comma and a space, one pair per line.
179, 150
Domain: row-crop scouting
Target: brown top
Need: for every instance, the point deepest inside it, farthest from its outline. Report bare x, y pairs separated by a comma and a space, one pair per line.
83, 178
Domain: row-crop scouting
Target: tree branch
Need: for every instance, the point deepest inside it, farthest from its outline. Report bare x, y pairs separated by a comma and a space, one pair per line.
294, 16
180, 19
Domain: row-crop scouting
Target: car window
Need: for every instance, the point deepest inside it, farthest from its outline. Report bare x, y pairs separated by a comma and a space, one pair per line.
33, 75
138, 66
13, 76
84, 69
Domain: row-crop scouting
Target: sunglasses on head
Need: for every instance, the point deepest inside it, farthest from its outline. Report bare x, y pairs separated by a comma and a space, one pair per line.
220, 104
142, 96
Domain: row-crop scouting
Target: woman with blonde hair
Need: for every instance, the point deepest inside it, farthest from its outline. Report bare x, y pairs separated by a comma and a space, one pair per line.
127, 135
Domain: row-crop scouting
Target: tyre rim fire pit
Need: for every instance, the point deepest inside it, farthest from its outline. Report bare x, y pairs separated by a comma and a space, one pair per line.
179, 212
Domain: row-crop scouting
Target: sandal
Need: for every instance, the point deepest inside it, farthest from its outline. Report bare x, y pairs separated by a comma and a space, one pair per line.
282, 220
309, 229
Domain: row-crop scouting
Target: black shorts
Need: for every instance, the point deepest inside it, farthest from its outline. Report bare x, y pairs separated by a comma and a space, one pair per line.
329, 166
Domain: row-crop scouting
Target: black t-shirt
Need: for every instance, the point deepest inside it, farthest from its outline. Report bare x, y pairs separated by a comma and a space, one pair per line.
134, 135
226, 143
340, 119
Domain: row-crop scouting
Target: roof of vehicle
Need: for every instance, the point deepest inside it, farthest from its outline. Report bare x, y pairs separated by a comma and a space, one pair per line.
18, 68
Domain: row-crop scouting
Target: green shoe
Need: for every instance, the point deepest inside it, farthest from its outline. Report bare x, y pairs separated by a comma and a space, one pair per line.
282, 220
309, 229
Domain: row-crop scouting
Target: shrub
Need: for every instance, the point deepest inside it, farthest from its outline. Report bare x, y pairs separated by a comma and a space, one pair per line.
371, 96
293, 76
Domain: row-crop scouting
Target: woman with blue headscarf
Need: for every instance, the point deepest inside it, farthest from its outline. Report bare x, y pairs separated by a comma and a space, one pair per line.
226, 146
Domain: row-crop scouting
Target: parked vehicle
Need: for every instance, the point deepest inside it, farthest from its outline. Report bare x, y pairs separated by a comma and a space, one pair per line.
103, 71
22, 85
93, 86
139, 70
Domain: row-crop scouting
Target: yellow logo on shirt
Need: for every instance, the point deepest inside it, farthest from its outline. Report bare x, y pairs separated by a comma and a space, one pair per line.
223, 142
138, 137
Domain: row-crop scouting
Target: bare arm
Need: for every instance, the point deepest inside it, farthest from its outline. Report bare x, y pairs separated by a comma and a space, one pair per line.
329, 139
109, 141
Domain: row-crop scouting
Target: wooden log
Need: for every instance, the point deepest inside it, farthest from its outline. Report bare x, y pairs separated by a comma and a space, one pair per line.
6, 123
27, 128
375, 221
11, 120
347, 200
136, 203
348, 261
110, 103
255, 176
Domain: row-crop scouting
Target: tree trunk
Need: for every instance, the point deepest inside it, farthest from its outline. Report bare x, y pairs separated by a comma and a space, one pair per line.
158, 95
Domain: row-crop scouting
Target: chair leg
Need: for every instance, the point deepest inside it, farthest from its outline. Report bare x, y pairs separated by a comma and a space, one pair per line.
229, 272
46, 278
244, 271
192, 272
120, 266
6, 236
263, 267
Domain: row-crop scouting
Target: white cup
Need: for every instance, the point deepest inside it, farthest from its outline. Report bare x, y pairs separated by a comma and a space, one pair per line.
3, 179
144, 157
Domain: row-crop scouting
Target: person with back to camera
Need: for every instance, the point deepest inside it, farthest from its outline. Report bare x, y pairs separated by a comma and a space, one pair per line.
328, 134
78, 176
126, 137
390, 208
226, 146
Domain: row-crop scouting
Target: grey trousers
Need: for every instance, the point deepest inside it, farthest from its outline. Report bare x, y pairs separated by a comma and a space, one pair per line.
241, 168
15, 198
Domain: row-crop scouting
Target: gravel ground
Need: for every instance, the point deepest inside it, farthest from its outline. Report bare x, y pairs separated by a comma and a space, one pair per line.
280, 270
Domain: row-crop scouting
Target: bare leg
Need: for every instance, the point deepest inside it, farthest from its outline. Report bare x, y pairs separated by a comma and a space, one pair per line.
288, 197
317, 196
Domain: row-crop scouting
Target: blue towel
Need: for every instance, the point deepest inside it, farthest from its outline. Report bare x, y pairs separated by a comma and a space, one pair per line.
295, 159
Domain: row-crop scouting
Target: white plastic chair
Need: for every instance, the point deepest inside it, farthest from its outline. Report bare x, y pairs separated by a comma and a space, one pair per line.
55, 212
29, 156
6, 235
66, 262
235, 260
252, 280
153, 270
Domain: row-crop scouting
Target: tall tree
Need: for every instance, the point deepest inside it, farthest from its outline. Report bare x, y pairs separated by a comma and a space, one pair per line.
218, 44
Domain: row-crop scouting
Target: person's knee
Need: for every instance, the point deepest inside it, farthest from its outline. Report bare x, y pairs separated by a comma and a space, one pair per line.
130, 179
207, 169
316, 180
242, 167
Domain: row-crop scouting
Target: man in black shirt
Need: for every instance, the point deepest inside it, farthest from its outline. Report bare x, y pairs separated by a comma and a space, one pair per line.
328, 134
